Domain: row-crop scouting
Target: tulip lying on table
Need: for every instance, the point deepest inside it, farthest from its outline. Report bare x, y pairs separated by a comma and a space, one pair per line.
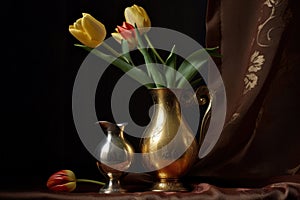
65, 181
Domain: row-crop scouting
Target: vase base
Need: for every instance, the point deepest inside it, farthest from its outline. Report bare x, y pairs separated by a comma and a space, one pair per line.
110, 190
170, 185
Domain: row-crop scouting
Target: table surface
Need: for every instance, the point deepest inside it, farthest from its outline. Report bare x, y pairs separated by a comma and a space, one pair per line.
205, 191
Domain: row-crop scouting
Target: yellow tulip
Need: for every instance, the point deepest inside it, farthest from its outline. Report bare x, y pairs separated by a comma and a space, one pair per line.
88, 31
137, 15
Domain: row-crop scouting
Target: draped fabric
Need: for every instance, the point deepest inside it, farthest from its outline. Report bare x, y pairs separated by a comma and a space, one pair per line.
260, 69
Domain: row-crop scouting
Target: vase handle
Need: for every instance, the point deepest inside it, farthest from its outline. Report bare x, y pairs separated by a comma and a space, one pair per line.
204, 99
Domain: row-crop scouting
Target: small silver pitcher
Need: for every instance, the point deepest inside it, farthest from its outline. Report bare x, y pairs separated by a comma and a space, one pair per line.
115, 156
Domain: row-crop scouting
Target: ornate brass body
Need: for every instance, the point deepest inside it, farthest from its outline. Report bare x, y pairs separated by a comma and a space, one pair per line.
169, 146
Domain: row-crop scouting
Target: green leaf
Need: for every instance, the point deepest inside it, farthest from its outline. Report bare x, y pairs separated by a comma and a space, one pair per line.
84, 47
211, 48
153, 56
213, 52
190, 67
134, 72
156, 54
126, 51
170, 58
171, 68
152, 69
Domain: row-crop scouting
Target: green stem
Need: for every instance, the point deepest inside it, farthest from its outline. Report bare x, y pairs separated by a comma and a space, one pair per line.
115, 53
90, 181
153, 72
153, 49
109, 48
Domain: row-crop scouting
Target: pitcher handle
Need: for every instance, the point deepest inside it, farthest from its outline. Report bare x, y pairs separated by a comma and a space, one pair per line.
204, 99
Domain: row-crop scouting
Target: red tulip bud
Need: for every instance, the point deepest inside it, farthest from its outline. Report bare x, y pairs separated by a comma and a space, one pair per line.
126, 30
63, 180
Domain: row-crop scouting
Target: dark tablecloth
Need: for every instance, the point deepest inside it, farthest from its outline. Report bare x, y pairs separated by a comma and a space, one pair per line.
282, 188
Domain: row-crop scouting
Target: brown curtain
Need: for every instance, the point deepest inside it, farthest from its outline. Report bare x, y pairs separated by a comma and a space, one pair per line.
260, 68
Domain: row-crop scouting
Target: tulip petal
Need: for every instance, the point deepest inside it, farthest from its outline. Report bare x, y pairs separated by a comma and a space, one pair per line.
117, 36
130, 17
137, 15
63, 180
88, 31
68, 187
83, 38
146, 21
77, 24
79, 35
94, 29
126, 34
70, 174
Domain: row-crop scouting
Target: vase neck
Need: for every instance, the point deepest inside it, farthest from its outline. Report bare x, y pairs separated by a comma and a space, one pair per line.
162, 95
113, 129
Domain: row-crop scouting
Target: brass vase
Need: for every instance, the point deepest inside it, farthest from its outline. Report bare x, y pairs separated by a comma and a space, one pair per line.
169, 146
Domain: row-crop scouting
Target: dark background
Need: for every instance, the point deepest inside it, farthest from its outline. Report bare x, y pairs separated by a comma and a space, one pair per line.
39, 65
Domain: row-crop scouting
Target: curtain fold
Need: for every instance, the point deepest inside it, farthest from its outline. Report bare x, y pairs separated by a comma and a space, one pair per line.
259, 67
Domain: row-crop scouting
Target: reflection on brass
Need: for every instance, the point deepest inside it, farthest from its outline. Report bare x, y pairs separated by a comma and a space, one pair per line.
159, 147
115, 156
